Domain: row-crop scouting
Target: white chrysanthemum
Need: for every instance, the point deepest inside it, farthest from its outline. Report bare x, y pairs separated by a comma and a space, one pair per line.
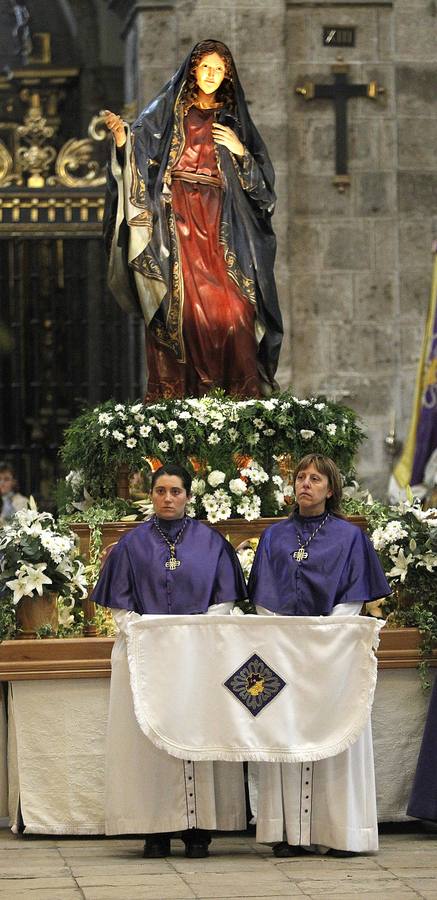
184, 414
216, 477
213, 438
164, 446
198, 486
303, 402
153, 421
160, 426
306, 433
57, 545
331, 428
246, 557
130, 429
118, 435
105, 418
237, 486
391, 533
190, 508
319, 406
179, 438
131, 443
258, 423
172, 425
269, 432
255, 472
139, 417
145, 430
249, 507
233, 434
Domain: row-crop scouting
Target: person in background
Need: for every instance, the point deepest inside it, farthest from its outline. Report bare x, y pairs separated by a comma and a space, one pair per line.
11, 500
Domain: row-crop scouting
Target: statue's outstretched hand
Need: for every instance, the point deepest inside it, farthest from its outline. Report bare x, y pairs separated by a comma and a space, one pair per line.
116, 127
224, 135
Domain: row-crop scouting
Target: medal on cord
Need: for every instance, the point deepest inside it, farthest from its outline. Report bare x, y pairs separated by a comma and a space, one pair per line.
301, 553
172, 562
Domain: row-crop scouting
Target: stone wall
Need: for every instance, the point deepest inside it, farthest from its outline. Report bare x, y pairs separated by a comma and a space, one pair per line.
353, 268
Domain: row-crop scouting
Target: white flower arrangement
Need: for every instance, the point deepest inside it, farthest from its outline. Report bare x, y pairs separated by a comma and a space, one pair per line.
36, 555
232, 496
215, 430
406, 541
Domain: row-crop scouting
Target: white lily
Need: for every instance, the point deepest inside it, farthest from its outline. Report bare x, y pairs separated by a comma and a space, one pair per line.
400, 568
30, 579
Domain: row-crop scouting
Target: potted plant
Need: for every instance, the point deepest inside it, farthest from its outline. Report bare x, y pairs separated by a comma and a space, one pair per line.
406, 541
39, 561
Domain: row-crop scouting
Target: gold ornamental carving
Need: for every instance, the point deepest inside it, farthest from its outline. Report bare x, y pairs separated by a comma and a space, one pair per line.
6, 165
34, 160
75, 165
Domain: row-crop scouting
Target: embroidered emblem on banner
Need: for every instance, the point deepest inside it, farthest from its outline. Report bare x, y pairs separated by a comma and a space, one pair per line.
255, 684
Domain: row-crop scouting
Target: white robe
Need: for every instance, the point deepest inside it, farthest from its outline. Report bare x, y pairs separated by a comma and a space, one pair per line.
148, 791
329, 803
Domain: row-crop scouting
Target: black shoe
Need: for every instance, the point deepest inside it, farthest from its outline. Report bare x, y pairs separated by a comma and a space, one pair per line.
156, 846
196, 849
282, 850
341, 854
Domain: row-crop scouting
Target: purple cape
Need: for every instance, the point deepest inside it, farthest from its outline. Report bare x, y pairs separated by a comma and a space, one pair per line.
423, 800
134, 576
342, 567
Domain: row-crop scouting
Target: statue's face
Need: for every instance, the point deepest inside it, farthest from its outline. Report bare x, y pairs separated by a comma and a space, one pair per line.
210, 73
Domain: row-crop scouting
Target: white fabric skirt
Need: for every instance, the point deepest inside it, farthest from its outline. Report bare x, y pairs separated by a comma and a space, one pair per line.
148, 791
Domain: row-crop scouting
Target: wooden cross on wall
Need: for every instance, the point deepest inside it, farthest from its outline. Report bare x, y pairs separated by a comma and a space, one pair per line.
340, 92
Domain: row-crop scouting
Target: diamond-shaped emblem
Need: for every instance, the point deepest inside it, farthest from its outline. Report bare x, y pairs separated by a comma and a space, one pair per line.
255, 684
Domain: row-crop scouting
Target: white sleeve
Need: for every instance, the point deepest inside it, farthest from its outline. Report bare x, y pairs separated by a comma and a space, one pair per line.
220, 609
347, 609
123, 617
342, 609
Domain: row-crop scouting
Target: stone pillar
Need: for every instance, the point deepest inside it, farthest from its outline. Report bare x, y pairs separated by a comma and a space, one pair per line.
149, 33
344, 246
360, 262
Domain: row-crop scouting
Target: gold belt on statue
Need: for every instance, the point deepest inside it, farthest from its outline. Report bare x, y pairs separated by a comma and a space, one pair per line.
196, 177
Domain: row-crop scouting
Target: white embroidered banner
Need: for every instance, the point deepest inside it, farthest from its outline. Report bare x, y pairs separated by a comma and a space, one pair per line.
277, 689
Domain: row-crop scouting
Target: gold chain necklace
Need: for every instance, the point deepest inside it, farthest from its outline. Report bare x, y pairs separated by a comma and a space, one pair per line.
301, 553
172, 562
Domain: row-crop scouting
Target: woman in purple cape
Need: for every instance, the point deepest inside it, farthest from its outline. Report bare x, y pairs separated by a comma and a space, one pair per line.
318, 564
170, 565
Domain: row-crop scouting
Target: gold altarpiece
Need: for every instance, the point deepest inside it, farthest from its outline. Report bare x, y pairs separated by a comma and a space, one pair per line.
63, 341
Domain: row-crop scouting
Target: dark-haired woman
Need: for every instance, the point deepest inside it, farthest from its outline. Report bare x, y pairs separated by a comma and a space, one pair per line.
193, 221
318, 564
170, 565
